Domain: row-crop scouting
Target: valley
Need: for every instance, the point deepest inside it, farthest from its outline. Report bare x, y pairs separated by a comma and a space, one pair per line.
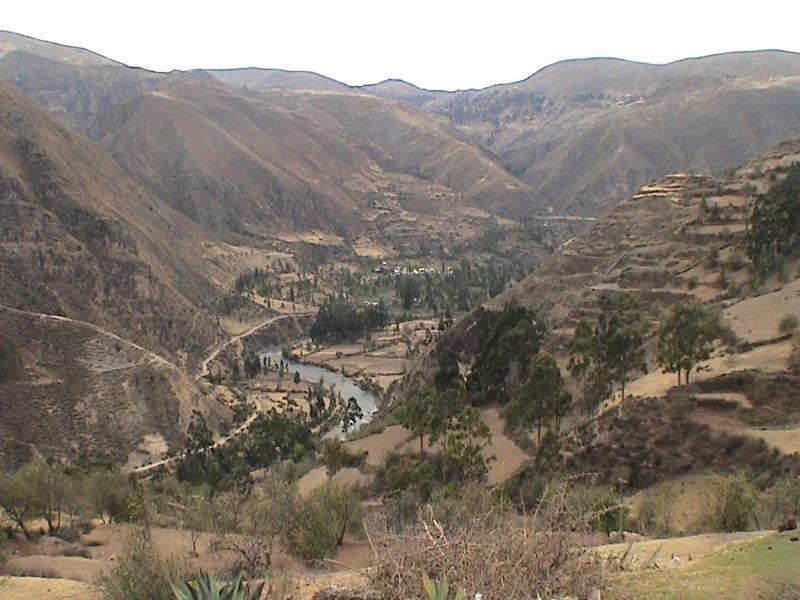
541, 338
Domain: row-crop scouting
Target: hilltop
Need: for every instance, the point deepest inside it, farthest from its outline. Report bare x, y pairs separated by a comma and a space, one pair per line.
571, 138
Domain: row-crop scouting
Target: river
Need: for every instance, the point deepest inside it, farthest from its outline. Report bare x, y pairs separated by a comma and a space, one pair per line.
342, 384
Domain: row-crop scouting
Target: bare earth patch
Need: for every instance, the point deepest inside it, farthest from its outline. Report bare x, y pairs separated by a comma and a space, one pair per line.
34, 588
379, 445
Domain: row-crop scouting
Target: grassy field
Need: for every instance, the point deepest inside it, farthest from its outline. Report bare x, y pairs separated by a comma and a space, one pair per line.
765, 568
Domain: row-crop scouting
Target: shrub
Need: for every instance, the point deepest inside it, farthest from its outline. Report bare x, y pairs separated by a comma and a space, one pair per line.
794, 358
712, 258
327, 515
439, 589
736, 503
493, 552
788, 324
735, 262
786, 497
141, 572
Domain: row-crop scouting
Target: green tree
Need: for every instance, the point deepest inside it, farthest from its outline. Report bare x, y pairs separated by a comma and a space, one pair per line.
415, 413
18, 496
786, 496
106, 490
195, 464
197, 518
352, 414
52, 488
514, 336
686, 337
607, 350
774, 224
333, 455
463, 452
737, 499
252, 365
409, 288
543, 400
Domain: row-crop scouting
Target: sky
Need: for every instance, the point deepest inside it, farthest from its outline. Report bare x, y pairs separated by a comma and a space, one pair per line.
436, 44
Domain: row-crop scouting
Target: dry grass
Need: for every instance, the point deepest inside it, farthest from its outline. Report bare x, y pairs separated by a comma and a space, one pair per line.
496, 552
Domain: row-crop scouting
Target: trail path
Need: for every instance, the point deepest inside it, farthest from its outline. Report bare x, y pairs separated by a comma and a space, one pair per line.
232, 340
152, 355
204, 373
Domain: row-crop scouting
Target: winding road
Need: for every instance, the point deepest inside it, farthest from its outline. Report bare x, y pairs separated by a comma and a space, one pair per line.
143, 470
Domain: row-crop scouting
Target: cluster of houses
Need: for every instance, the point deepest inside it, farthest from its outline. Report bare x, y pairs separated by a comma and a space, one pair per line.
384, 267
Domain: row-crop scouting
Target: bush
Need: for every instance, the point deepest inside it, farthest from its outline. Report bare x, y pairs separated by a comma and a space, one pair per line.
328, 514
785, 499
141, 572
788, 324
735, 262
736, 503
416, 473
498, 553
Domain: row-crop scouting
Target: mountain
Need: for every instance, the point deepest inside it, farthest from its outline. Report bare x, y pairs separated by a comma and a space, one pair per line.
570, 138
72, 83
397, 89
585, 132
254, 79
104, 290
256, 153
11, 42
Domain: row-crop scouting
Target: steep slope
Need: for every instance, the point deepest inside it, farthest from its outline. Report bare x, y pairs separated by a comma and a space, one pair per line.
72, 83
619, 124
103, 294
230, 162
85, 394
82, 240
402, 138
679, 239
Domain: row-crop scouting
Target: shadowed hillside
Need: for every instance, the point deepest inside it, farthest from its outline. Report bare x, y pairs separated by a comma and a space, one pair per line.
82, 240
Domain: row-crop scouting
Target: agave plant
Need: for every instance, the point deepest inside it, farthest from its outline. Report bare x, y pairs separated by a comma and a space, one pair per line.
439, 589
204, 587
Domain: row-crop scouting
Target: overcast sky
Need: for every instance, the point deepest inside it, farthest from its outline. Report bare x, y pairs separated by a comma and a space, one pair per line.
434, 44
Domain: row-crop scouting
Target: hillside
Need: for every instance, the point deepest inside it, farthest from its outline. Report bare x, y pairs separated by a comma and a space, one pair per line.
86, 394
78, 229
585, 132
261, 153
680, 239
82, 241
573, 137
